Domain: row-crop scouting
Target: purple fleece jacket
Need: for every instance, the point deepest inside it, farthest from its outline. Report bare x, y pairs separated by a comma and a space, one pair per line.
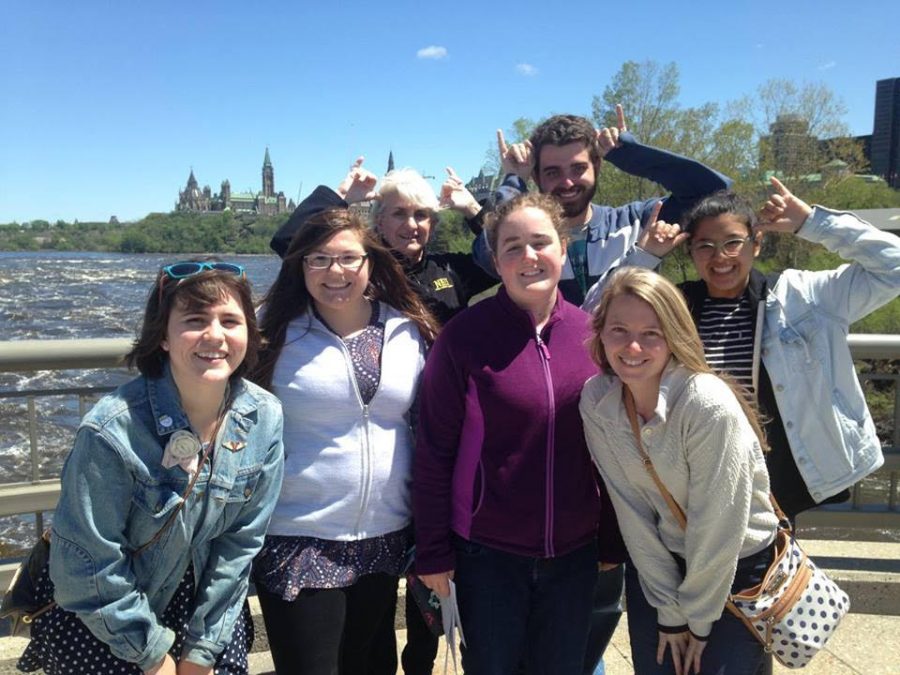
501, 458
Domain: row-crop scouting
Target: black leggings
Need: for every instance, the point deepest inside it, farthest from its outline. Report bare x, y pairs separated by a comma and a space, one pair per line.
327, 631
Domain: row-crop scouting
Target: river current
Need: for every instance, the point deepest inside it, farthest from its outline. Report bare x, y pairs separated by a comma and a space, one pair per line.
60, 296
53, 295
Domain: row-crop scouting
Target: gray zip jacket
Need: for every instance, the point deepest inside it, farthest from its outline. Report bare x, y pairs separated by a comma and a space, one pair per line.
348, 465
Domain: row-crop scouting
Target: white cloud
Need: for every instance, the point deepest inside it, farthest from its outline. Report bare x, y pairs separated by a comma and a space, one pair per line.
432, 52
828, 66
526, 69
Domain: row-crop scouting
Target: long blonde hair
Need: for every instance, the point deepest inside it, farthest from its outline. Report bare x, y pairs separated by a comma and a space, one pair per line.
677, 326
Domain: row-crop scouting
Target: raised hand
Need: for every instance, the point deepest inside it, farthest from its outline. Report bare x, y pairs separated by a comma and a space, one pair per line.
660, 237
358, 185
455, 195
608, 137
783, 212
517, 158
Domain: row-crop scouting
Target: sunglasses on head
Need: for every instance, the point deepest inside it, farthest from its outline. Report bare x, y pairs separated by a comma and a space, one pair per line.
183, 270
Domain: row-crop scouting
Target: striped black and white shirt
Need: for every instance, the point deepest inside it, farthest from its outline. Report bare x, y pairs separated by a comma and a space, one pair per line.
726, 328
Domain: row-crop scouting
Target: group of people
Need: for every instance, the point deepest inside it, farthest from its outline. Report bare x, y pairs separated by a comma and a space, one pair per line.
371, 426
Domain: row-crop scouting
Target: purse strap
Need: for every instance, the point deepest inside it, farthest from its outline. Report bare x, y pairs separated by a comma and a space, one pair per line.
184, 497
676, 510
783, 521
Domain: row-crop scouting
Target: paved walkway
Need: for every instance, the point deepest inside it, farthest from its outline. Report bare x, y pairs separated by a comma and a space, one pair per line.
867, 643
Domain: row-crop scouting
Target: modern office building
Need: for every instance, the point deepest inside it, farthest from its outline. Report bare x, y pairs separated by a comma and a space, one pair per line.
885, 156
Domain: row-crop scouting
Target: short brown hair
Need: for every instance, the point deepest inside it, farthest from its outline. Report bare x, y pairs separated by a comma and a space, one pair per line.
534, 200
562, 130
198, 291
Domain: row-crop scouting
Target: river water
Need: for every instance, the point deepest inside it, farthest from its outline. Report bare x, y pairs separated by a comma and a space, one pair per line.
52, 295
89, 295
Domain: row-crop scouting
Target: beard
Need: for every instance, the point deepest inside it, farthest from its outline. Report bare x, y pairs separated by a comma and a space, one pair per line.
577, 205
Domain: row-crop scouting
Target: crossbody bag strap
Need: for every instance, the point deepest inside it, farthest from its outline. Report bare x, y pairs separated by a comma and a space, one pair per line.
645, 458
187, 492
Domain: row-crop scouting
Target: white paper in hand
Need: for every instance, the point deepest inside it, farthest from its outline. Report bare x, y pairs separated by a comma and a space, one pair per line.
452, 625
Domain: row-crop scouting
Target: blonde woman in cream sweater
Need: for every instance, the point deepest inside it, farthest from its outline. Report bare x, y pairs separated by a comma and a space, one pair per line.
704, 443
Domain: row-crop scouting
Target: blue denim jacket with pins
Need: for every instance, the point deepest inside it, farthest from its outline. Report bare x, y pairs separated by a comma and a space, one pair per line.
116, 495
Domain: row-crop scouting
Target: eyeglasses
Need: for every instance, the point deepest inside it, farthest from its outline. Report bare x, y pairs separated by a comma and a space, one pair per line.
183, 270
348, 261
729, 247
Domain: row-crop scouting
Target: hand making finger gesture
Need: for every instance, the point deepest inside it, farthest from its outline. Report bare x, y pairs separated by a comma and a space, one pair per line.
608, 137
783, 212
660, 237
455, 195
358, 185
517, 158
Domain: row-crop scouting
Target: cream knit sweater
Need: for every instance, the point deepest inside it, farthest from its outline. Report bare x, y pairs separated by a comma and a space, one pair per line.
709, 458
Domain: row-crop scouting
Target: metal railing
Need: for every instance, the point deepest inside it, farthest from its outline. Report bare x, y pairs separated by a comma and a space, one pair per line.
38, 495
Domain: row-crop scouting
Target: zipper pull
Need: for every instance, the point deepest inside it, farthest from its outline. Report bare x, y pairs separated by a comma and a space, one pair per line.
543, 347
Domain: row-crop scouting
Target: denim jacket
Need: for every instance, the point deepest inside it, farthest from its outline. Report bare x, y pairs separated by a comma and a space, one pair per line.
804, 349
116, 496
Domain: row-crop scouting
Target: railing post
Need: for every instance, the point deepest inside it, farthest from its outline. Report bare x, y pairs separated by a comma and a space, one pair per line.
35, 459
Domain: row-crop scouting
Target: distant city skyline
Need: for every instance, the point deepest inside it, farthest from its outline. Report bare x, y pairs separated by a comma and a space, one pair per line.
108, 106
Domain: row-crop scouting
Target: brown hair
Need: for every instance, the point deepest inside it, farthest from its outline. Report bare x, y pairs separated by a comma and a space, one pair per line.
534, 200
677, 326
289, 297
562, 130
196, 292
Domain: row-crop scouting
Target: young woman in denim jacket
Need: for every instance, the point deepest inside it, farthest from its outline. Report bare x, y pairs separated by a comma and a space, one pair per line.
346, 339
793, 327
177, 605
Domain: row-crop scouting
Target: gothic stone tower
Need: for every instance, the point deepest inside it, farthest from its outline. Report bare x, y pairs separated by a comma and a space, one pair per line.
268, 177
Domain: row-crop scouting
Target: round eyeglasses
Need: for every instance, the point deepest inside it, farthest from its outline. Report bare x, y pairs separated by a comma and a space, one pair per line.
729, 247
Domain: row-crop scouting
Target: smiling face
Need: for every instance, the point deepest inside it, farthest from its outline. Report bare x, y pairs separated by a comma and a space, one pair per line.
567, 173
529, 257
404, 225
633, 342
726, 276
337, 288
206, 344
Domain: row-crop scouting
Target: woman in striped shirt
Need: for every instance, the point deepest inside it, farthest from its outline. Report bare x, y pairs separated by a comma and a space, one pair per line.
783, 336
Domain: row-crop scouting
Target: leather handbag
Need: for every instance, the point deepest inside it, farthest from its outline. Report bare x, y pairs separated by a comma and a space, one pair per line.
796, 608
20, 602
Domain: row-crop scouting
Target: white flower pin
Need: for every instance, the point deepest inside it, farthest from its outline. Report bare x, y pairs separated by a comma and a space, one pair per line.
182, 448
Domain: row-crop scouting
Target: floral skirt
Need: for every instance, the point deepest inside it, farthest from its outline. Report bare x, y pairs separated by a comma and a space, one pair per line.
62, 645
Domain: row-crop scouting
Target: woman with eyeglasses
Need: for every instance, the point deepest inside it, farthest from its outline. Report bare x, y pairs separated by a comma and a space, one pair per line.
346, 340
405, 213
784, 336
166, 495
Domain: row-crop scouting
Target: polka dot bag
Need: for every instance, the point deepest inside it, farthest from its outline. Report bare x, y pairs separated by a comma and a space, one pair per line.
795, 609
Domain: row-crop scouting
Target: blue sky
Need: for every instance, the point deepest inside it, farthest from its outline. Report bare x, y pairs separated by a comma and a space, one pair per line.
106, 106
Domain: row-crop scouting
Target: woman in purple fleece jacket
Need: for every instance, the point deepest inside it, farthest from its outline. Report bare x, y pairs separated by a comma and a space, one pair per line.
506, 502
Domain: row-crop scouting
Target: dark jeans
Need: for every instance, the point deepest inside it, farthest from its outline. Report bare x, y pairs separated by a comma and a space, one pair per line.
605, 613
328, 631
517, 608
731, 649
